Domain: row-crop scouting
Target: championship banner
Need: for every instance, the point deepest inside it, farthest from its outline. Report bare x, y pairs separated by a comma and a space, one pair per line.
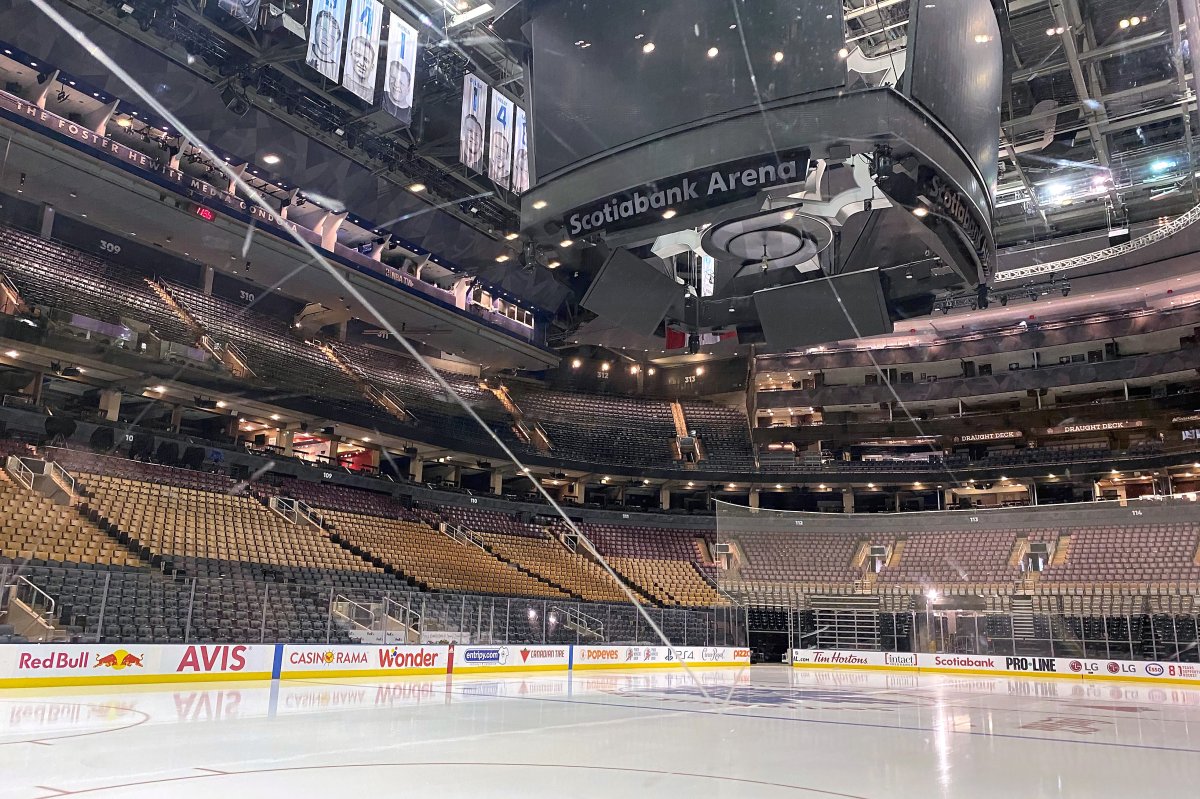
244, 11
471, 135
325, 31
401, 66
362, 48
500, 152
520, 168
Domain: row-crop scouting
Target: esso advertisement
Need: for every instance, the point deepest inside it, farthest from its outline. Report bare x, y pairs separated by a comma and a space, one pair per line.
469, 659
1168, 671
363, 661
98, 664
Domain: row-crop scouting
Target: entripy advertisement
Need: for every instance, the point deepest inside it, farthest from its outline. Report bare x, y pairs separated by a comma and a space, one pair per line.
491, 659
29, 665
310, 661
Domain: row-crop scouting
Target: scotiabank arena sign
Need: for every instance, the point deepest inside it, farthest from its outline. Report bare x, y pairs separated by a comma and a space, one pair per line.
98, 664
362, 661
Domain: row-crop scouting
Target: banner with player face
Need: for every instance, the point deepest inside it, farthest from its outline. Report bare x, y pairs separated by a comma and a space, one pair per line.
520, 169
362, 48
474, 120
500, 151
325, 33
400, 69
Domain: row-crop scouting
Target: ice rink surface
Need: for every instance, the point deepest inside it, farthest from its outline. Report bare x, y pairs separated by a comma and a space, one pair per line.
765, 731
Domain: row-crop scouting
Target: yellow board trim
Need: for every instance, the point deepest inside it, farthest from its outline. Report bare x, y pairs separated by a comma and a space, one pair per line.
853, 667
132, 679
339, 673
671, 664
493, 669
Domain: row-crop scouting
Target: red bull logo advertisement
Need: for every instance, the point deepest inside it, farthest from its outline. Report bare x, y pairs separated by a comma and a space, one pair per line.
118, 660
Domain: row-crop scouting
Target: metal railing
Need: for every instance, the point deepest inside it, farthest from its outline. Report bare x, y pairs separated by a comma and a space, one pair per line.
17, 468
61, 476
1170, 637
462, 535
148, 606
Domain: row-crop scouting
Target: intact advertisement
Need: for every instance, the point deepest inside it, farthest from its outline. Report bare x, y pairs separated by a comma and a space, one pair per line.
307, 661
474, 119
23, 665
520, 168
500, 151
479, 659
362, 48
400, 69
325, 33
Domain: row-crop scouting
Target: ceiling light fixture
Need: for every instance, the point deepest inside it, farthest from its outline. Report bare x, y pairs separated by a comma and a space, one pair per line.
470, 16
270, 159
648, 47
417, 188
539, 205
713, 52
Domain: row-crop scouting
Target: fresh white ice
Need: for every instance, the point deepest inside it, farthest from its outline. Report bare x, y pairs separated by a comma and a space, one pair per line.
766, 731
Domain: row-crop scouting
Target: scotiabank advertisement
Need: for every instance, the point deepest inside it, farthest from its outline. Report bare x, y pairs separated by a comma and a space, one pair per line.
300, 661
99, 664
515, 657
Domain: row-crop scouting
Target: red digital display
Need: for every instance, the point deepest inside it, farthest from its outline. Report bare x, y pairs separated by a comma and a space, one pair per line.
205, 213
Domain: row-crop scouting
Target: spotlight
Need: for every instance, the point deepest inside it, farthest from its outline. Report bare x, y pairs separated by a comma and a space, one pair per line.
713, 52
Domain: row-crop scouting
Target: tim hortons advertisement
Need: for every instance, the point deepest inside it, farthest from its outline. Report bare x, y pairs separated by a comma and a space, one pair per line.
473, 659
113, 664
301, 661
833, 658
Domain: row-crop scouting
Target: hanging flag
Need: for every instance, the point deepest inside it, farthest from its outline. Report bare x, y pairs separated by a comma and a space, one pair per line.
325, 33
471, 135
500, 152
401, 66
520, 169
244, 11
362, 48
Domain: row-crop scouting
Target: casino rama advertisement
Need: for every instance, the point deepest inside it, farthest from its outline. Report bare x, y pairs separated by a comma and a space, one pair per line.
1022, 665
309, 661
515, 657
